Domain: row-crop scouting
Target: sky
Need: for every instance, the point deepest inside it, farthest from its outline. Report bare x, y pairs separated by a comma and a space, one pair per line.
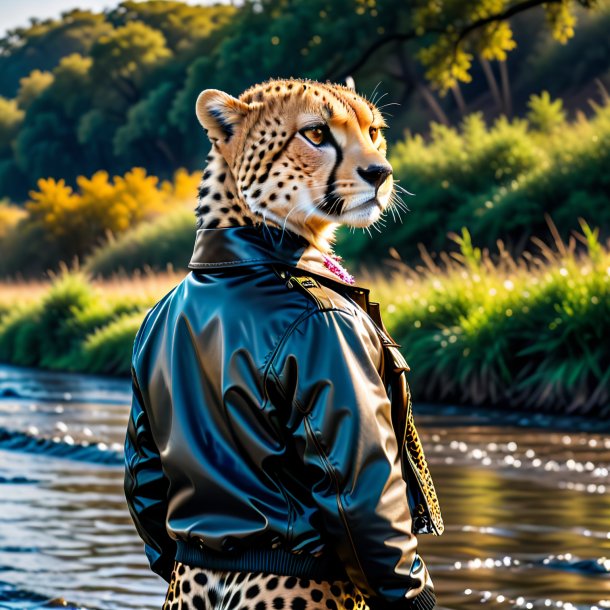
15, 13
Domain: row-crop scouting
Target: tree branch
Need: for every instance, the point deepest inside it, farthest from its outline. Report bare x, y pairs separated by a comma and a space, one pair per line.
403, 37
507, 14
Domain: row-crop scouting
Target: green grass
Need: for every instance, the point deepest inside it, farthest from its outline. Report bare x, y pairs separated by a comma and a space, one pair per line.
525, 333
73, 326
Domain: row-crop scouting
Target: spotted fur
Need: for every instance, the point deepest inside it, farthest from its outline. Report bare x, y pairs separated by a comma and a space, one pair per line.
194, 588
263, 168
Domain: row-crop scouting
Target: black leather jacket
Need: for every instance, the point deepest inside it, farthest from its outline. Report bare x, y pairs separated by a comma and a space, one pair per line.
270, 425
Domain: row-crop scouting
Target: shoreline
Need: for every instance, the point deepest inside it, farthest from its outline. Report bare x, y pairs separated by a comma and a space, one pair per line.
456, 414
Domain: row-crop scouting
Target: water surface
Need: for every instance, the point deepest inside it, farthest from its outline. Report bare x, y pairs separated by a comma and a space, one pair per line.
525, 502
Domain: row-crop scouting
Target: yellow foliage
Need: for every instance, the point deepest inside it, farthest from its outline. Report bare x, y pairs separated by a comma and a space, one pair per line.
497, 39
31, 86
446, 64
561, 20
103, 204
183, 188
54, 204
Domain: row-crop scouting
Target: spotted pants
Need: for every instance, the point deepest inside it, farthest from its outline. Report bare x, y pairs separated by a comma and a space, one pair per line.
193, 588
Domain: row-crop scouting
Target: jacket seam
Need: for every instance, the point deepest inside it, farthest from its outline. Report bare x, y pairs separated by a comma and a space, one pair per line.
289, 331
308, 427
291, 509
240, 261
272, 353
338, 495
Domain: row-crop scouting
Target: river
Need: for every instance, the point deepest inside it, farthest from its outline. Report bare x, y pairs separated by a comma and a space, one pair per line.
525, 501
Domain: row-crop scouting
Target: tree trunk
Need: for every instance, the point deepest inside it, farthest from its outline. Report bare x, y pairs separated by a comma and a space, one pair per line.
459, 100
429, 98
414, 84
493, 84
506, 89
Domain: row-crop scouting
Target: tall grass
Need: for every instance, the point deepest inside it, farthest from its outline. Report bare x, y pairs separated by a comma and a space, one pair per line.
476, 329
527, 333
75, 323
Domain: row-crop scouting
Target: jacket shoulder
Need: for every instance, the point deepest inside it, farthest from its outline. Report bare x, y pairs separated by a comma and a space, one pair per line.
316, 290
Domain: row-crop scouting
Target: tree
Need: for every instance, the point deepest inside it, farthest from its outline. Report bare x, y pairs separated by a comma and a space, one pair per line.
42, 45
71, 89
122, 60
457, 29
11, 118
181, 24
31, 86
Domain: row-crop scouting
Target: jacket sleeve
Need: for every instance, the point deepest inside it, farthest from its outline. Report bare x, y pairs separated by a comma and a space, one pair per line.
340, 419
146, 486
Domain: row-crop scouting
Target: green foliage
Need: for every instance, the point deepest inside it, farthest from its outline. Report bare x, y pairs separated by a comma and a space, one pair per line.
518, 333
40, 334
165, 241
182, 25
41, 45
108, 349
70, 89
117, 89
499, 182
72, 327
122, 60
545, 115
11, 117
31, 86
527, 332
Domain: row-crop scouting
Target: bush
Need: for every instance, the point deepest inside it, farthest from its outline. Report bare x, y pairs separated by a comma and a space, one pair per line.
108, 349
518, 333
167, 240
498, 182
55, 331
63, 225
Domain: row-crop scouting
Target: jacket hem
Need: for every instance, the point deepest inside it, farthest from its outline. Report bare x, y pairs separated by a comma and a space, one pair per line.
278, 561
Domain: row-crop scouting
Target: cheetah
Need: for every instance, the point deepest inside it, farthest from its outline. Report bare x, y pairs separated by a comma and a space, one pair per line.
296, 154
308, 157
194, 588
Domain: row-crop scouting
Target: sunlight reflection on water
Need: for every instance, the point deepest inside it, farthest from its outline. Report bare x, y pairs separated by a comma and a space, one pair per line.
526, 509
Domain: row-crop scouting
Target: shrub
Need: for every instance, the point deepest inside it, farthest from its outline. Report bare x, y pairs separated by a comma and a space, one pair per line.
62, 224
108, 349
168, 240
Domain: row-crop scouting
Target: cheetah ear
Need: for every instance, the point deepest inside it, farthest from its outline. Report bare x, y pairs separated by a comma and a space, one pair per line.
220, 113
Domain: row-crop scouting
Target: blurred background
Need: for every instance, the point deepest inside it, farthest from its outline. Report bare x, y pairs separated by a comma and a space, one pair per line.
493, 275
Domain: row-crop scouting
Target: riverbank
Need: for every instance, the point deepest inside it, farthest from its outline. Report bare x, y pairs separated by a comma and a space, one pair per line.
479, 330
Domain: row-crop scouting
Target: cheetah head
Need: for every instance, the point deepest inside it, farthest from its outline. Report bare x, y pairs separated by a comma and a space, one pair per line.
307, 155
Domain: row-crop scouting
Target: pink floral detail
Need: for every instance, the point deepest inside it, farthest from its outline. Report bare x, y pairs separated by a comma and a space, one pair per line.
332, 263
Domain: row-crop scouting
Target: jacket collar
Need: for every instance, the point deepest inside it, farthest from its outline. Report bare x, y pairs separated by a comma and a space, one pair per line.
260, 244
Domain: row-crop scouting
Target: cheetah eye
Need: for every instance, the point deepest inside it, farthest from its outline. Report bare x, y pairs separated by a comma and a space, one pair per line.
316, 135
374, 132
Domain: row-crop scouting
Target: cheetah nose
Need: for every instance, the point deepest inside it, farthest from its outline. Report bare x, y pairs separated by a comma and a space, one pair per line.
375, 174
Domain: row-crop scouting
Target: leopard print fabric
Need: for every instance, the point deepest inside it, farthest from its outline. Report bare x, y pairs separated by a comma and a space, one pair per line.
194, 588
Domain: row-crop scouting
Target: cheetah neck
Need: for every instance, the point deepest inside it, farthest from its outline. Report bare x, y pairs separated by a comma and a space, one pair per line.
220, 204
